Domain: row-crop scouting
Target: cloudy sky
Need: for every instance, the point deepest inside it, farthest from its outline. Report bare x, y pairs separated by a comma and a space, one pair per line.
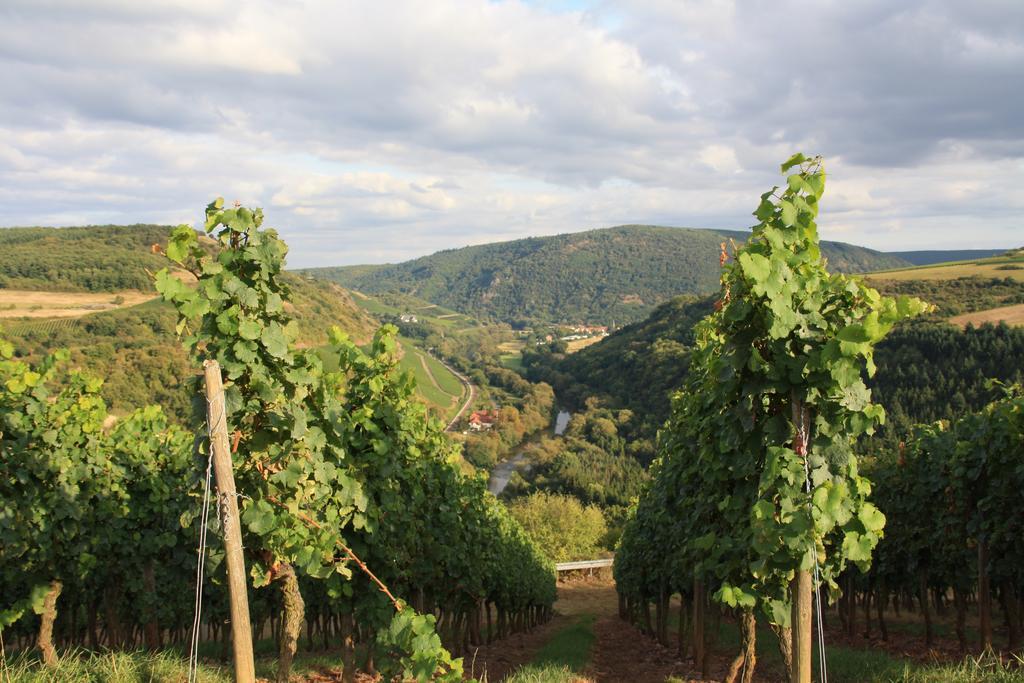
378, 131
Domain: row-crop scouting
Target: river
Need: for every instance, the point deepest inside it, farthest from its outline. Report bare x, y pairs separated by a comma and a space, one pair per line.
562, 421
502, 472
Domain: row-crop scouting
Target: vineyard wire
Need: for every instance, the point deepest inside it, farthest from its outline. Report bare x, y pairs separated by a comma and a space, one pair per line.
193, 655
803, 434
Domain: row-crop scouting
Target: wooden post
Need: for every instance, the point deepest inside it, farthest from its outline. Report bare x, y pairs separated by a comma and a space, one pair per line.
227, 506
698, 622
984, 597
800, 588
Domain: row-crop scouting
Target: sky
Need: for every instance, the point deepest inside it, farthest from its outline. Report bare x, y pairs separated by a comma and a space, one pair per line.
376, 132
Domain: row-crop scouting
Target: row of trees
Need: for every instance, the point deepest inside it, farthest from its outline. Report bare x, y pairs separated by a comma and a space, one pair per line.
350, 495
757, 486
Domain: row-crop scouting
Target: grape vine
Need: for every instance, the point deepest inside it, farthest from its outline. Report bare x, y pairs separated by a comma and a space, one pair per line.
757, 479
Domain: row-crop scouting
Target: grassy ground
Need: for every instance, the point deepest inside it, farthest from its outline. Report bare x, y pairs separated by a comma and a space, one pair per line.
429, 381
570, 648
435, 384
421, 309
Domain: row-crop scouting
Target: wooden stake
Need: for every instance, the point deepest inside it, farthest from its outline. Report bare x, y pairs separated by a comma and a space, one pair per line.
698, 622
800, 588
227, 506
984, 597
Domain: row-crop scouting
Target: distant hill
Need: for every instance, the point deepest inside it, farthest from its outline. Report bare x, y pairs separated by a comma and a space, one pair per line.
930, 257
611, 275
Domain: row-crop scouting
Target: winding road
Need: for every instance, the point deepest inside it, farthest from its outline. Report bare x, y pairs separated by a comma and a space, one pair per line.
471, 394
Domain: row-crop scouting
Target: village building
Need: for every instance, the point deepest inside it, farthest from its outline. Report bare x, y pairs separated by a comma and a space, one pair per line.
482, 420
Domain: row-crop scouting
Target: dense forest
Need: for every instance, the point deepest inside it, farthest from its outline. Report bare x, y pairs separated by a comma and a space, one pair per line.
609, 276
105, 258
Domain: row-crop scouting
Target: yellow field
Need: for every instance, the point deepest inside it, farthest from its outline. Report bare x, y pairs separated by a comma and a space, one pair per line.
577, 344
950, 272
17, 303
1011, 315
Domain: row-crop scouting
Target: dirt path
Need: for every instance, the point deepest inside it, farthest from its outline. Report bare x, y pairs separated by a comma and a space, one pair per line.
619, 653
500, 659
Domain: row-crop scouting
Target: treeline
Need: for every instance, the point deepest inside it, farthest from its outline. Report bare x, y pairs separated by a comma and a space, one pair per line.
105, 258
331, 467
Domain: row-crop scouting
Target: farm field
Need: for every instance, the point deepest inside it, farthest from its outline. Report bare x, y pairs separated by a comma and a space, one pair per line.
577, 344
19, 303
1011, 315
512, 354
996, 267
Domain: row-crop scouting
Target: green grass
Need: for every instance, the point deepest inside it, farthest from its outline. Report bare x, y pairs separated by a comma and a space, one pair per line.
110, 667
512, 361
412, 361
166, 666
450, 384
570, 647
550, 673
426, 312
851, 665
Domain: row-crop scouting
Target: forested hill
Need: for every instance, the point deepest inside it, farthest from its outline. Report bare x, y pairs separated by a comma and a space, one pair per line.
606, 276
102, 258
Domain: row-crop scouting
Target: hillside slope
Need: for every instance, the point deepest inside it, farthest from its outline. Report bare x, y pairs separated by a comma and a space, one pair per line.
610, 275
134, 348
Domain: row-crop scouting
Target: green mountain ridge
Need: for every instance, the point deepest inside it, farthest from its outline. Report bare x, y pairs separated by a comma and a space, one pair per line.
607, 276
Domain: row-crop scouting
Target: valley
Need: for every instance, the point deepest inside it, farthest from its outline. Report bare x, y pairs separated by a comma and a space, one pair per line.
494, 380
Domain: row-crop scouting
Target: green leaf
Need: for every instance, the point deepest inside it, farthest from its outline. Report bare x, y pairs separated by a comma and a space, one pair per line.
755, 266
249, 329
274, 340
788, 213
871, 517
794, 160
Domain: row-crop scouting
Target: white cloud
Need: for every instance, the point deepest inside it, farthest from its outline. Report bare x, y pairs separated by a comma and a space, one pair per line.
374, 131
